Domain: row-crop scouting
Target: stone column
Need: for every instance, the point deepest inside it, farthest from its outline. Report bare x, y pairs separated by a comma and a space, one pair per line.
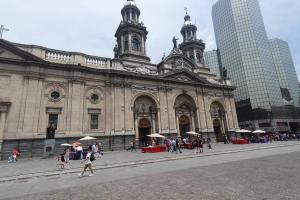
136, 126
153, 124
223, 127
2, 125
193, 122
129, 42
158, 121
122, 44
195, 55
130, 15
177, 126
143, 50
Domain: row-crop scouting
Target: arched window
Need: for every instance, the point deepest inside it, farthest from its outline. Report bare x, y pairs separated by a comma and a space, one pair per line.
133, 16
199, 58
135, 44
192, 56
126, 45
127, 16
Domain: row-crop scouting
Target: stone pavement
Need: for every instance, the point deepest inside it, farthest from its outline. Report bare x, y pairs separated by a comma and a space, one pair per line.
29, 168
274, 177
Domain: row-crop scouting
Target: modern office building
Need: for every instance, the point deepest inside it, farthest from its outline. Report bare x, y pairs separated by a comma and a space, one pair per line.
286, 72
212, 60
246, 54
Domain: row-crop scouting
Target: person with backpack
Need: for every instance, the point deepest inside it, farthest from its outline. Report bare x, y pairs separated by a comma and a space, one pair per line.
90, 157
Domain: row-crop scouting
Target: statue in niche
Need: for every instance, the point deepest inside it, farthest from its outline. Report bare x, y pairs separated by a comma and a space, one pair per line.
50, 131
143, 108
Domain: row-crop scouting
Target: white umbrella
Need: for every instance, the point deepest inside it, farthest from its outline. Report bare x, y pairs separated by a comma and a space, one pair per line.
88, 138
192, 133
259, 131
243, 131
156, 135
66, 145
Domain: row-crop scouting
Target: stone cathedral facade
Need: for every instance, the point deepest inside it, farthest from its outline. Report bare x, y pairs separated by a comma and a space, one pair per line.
114, 99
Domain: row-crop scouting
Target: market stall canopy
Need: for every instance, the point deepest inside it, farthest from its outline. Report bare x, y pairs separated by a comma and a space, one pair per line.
156, 135
88, 138
243, 131
192, 133
259, 131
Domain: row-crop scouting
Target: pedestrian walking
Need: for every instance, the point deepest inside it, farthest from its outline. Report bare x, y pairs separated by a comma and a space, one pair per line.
168, 144
209, 142
178, 146
130, 146
198, 144
173, 145
90, 157
133, 146
201, 145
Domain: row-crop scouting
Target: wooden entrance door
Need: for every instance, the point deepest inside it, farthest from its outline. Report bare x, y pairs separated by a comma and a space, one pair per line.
144, 130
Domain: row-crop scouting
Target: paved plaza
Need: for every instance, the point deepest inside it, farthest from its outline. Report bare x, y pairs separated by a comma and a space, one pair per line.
255, 171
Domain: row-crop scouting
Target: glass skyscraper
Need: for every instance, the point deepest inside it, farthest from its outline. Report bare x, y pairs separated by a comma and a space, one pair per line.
212, 60
246, 54
286, 72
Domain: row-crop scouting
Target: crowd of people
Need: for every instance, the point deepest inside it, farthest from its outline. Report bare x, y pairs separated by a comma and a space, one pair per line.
79, 153
270, 137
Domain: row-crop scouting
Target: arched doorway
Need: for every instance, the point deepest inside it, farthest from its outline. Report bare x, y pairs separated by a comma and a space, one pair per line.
144, 130
219, 120
218, 130
186, 118
145, 116
184, 125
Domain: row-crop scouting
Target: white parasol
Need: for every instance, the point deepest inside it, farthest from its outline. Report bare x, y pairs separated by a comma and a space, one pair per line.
88, 138
192, 133
66, 145
259, 131
156, 135
243, 131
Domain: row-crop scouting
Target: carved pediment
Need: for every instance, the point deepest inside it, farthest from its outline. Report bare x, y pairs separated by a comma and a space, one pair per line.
4, 53
9, 51
185, 75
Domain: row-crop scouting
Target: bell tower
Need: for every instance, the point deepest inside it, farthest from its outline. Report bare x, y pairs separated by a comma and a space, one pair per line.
191, 46
131, 35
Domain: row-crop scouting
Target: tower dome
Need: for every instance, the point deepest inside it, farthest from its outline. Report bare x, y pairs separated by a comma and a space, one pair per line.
187, 20
191, 46
130, 12
131, 35
188, 30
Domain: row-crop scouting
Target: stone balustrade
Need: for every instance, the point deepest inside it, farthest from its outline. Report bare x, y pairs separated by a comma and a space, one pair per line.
96, 61
65, 57
58, 56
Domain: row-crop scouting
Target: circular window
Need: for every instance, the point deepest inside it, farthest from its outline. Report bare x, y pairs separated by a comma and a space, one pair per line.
55, 95
94, 97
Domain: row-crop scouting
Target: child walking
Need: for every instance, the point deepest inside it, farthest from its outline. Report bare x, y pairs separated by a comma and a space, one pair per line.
90, 157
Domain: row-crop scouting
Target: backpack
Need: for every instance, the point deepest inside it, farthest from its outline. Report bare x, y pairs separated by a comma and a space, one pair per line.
92, 157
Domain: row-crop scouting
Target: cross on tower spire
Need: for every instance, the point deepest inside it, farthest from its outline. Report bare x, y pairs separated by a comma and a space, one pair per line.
2, 29
186, 10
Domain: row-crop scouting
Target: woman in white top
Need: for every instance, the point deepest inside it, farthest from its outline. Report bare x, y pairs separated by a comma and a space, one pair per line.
88, 163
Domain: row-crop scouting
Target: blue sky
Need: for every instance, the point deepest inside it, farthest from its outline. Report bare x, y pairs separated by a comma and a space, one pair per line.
89, 26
